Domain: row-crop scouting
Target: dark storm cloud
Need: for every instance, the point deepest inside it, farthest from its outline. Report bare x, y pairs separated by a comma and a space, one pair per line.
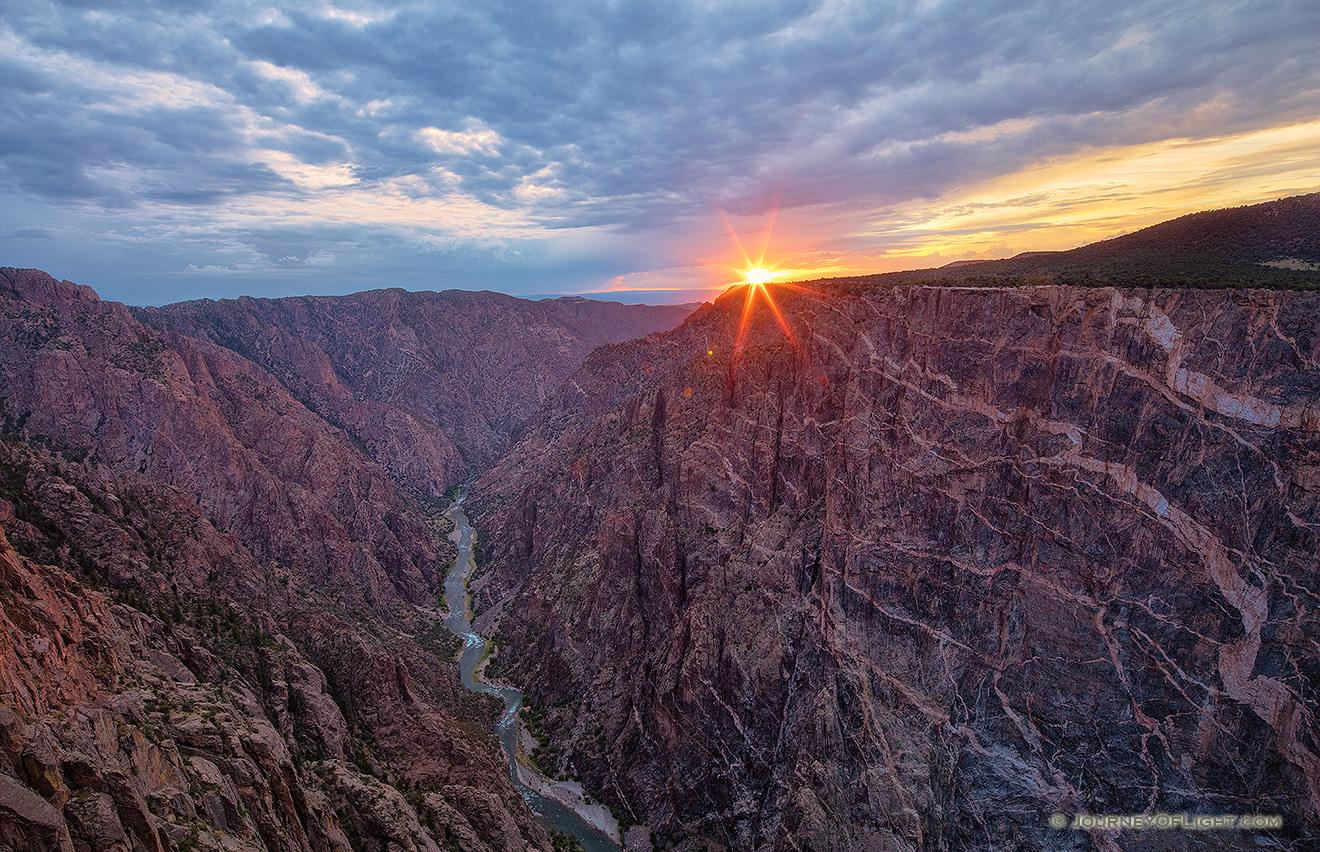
624, 114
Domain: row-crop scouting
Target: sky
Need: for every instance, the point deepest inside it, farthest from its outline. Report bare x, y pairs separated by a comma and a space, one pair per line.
631, 150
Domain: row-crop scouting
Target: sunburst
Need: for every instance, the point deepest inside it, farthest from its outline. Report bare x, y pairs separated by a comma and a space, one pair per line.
757, 277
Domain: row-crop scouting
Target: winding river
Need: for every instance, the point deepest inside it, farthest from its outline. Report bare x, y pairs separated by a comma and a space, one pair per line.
553, 814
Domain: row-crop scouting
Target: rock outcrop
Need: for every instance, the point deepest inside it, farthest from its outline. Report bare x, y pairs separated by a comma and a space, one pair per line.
124, 731
931, 566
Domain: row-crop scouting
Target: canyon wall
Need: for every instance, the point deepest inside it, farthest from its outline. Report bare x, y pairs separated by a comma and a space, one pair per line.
220, 592
930, 566
84, 376
429, 384
160, 714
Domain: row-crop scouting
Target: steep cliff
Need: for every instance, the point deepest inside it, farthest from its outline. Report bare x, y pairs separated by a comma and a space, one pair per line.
929, 567
430, 384
182, 475
82, 374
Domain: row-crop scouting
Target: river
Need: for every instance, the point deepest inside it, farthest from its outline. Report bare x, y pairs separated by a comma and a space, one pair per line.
553, 814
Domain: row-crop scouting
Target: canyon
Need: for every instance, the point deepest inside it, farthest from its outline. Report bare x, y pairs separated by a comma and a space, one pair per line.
941, 555
217, 599
430, 385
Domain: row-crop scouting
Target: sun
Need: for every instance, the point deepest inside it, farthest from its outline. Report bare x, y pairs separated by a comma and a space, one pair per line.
759, 280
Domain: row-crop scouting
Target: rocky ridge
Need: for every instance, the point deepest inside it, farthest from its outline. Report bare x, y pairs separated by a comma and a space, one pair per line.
430, 384
937, 565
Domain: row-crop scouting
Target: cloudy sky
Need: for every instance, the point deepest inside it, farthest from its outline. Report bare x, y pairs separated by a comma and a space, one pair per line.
168, 150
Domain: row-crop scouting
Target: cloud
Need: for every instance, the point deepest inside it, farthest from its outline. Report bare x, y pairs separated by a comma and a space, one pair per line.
27, 234
400, 127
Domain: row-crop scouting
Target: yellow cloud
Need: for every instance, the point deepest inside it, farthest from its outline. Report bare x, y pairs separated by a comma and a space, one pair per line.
1113, 191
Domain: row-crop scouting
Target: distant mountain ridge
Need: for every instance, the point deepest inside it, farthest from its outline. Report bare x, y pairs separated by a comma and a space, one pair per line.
1224, 247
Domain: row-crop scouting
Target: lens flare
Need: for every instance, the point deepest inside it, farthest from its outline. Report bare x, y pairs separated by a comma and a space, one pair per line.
759, 275
757, 278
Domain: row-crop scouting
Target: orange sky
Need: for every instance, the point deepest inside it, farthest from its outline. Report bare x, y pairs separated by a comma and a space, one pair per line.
1052, 206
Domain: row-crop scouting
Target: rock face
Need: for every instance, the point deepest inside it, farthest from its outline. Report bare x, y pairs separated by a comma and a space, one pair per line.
271, 676
178, 716
193, 728
120, 732
431, 384
85, 376
941, 563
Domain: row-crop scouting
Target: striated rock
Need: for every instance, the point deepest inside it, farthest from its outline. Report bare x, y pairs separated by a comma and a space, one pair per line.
927, 568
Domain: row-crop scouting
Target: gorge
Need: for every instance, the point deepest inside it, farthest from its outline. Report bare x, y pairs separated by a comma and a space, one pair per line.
946, 554
566, 811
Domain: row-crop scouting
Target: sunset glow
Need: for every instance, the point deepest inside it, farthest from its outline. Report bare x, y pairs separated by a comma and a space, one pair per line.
767, 256
168, 154
757, 280
1099, 195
